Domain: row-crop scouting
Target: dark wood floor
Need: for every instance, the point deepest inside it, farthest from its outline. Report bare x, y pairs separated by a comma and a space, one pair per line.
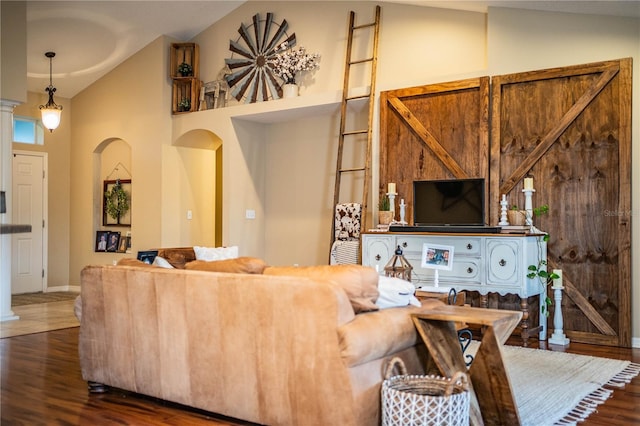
41, 385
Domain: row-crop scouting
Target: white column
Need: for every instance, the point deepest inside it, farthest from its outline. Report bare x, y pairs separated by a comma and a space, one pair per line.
6, 141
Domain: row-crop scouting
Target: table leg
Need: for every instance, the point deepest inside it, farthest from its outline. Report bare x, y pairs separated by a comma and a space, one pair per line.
441, 340
524, 324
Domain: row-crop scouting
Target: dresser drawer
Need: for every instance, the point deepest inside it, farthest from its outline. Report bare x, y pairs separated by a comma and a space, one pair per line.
462, 246
468, 270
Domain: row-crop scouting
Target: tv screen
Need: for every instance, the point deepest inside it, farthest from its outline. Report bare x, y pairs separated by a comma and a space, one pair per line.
448, 202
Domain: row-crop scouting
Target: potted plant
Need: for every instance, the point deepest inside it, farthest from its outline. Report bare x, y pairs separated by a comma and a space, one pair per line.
385, 216
184, 105
518, 217
185, 69
540, 272
286, 63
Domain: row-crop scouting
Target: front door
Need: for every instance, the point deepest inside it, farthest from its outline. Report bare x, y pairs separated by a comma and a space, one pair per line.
27, 249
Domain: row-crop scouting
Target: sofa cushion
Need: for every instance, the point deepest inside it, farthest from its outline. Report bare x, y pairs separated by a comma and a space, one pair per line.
240, 265
217, 253
375, 335
359, 282
177, 256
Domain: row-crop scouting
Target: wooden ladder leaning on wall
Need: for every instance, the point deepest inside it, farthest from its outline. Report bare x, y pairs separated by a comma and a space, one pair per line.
346, 135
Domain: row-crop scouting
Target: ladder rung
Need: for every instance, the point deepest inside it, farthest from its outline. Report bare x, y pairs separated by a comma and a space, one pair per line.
355, 132
364, 26
361, 61
353, 98
353, 169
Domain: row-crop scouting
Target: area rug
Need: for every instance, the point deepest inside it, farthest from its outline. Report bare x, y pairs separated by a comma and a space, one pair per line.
558, 388
34, 298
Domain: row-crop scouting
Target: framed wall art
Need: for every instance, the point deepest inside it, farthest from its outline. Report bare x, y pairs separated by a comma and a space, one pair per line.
116, 202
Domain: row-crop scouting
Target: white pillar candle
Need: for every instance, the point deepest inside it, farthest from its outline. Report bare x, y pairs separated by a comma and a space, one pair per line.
391, 188
528, 183
557, 282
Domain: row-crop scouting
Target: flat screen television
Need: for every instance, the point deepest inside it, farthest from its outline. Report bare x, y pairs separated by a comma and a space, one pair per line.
448, 202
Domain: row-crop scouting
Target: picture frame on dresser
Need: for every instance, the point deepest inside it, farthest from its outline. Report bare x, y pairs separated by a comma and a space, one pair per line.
437, 256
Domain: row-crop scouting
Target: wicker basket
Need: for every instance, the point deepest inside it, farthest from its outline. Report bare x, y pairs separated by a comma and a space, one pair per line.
424, 400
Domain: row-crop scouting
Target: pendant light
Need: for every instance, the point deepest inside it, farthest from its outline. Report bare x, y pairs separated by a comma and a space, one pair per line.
50, 111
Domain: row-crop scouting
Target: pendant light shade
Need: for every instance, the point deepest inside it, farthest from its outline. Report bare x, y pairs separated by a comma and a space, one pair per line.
50, 111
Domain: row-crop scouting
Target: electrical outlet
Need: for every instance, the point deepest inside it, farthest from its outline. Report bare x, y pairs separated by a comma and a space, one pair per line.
250, 214
189, 214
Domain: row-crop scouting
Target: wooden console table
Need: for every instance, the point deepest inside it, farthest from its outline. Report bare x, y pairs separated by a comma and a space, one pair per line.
486, 263
492, 401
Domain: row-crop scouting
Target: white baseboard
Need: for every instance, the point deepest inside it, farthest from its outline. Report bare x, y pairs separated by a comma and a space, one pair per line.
74, 288
635, 342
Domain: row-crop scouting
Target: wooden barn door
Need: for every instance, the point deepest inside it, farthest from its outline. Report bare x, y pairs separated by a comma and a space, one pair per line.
439, 131
570, 129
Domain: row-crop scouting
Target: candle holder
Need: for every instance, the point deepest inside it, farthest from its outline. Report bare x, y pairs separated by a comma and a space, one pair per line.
558, 337
392, 204
503, 211
403, 209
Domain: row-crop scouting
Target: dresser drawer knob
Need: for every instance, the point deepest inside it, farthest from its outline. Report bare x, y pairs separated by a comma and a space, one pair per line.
502, 262
469, 246
469, 270
378, 257
404, 244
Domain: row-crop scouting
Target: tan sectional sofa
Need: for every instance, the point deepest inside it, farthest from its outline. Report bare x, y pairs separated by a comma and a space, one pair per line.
267, 348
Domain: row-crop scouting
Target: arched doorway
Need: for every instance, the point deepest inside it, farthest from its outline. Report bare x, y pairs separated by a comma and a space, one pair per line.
198, 169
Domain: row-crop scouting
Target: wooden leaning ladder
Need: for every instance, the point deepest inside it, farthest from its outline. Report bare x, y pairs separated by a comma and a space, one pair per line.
346, 134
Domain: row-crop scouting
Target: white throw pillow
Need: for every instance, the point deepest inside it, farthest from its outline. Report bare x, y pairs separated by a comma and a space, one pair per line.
218, 253
162, 262
395, 292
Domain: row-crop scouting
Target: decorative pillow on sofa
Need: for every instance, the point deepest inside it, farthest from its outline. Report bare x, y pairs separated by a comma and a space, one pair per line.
240, 265
395, 292
162, 262
359, 282
218, 253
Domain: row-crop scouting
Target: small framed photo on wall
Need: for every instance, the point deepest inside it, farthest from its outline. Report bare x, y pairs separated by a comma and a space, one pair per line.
101, 240
112, 241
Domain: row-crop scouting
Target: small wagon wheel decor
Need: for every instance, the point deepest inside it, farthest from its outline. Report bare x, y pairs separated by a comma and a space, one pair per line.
116, 202
252, 78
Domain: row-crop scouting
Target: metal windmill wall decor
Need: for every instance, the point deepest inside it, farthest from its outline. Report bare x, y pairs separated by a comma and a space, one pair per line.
252, 78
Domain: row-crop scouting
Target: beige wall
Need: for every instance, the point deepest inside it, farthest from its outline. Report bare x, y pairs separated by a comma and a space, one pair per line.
277, 156
131, 103
13, 42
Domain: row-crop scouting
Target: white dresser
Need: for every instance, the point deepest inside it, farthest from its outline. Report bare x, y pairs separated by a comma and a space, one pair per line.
486, 263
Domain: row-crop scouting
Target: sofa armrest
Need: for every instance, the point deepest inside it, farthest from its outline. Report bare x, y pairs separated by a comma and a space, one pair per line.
375, 335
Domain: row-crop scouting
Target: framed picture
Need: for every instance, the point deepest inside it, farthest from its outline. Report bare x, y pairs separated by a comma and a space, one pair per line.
116, 202
101, 240
435, 256
147, 256
122, 245
112, 241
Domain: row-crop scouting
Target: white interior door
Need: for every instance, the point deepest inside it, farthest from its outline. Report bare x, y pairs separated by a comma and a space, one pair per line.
27, 249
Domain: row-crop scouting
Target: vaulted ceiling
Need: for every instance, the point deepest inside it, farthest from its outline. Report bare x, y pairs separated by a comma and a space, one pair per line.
90, 38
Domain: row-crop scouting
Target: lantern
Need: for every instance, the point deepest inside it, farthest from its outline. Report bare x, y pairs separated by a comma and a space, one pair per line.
398, 266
